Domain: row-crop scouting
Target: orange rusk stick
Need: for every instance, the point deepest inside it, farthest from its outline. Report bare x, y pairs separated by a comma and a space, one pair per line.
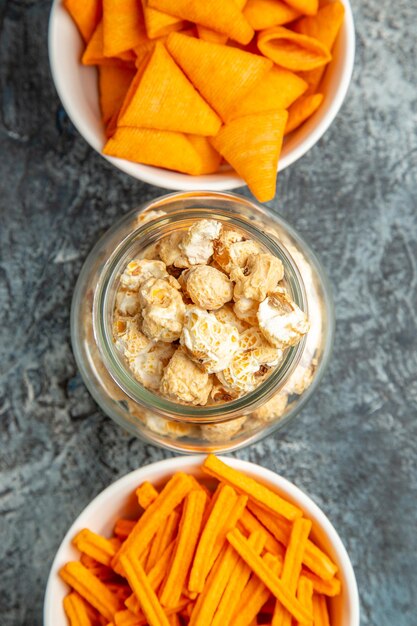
229, 524
255, 594
251, 525
263, 496
146, 494
99, 548
305, 592
143, 558
232, 594
217, 581
314, 558
225, 501
320, 612
176, 489
164, 535
326, 587
146, 596
90, 588
76, 610
126, 618
188, 536
274, 584
292, 567
123, 527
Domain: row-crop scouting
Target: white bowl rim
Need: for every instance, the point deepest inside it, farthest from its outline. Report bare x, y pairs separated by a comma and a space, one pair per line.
213, 182
190, 463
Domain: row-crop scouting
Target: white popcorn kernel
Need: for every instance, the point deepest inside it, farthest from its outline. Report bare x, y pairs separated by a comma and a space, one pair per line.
184, 381
170, 252
127, 302
247, 310
281, 321
266, 354
240, 374
260, 274
209, 342
231, 255
226, 315
140, 270
163, 310
129, 338
222, 431
221, 246
207, 287
197, 244
148, 367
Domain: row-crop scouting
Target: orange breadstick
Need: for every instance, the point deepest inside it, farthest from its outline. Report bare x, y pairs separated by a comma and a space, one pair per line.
76, 610
146, 494
232, 593
263, 572
172, 494
139, 582
229, 524
126, 618
222, 74
158, 24
86, 14
101, 572
188, 535
257, 492
123, 527
308, 7
314, 558
223, 16
222, 508
291, 50
320, 612
255, 594
251, 525
301, 110
94, 545
305, 592
163, 537
90, 588
266, 13
292, 567
329, 588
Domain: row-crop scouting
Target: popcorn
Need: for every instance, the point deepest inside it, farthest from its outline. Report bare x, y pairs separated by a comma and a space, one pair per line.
260, 274
222, 431
184, 381
222, 244
148, 367
240, 374
274, 408
127, 302
207, 287
163, 426
281, 321
219, 394
163, 310
129, 338
247, 310
140, 270
226, 315
148, 216
234, 254
252, 339
169, 250
197, 244
209, 342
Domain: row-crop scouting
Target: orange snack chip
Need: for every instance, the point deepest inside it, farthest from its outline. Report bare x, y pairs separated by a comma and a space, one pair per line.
123, 26
291, 50
301, 110
307, 7
157, 23
114, 82
86, 14
267, 13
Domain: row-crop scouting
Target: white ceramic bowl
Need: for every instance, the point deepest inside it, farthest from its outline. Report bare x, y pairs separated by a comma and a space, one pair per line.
77, 89
116, 501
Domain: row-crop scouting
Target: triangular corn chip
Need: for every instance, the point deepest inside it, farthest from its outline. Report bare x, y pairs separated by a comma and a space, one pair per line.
291, 50
161, 148
209, 157
222, 74
207, 34
301, 110
165, 99
158, 24
223, 16
252, 145
86, 14
114, 83
306, 7
277, 90
263, 14
93, 54
124, 27
324, 27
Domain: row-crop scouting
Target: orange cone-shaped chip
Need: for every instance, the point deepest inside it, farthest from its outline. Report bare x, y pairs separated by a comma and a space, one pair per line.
222, 74
267, 13
301, 110
223, 16
159, 24
277, 90
93, 54
291, 50
252, 145
306, 7
86, 14
124, 27
211, 35
165, 99
209, 157
161, 148
324, 27
114, 83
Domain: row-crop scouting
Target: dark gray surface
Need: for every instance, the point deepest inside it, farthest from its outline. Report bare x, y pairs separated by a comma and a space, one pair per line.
353, 449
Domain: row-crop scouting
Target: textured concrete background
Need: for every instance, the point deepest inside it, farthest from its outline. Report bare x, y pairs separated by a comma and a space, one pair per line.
353, 449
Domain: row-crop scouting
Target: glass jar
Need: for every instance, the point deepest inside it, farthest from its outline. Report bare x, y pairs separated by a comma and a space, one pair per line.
179, 427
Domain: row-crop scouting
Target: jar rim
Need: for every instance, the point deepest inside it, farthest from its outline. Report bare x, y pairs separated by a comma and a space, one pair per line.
104, 300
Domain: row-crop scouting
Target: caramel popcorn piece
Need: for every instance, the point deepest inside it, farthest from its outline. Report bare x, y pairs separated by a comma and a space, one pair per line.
207, 287
222, 431
252, 339
235, 254
222, 244
247, 310
281, 321
163, 310
240, 374
226, 315
139, 271
209, 343
169, 250
163, 426
148, 367
274, 408
127, 302
197, 244
260, 274
184, 381
219, 394
129, 338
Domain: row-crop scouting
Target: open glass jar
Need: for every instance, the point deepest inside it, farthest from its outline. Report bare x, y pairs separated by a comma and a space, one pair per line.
185, 428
